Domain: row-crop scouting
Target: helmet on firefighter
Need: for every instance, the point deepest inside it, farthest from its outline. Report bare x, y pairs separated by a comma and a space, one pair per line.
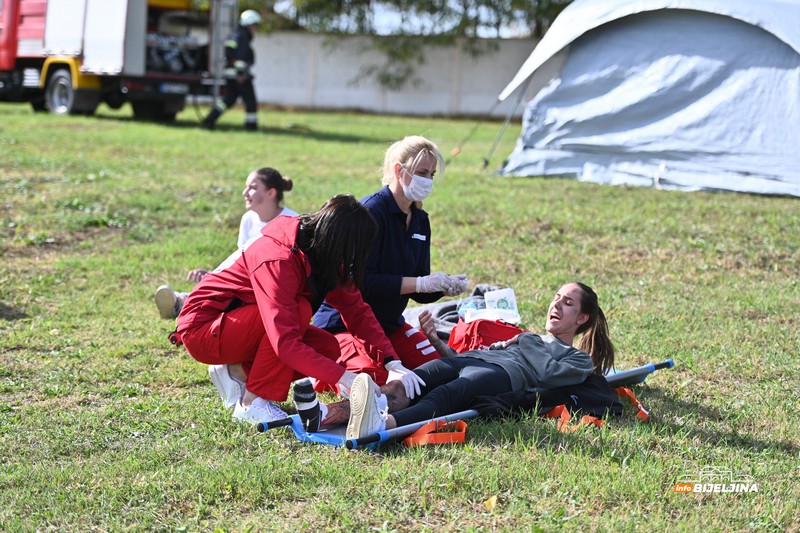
249, 18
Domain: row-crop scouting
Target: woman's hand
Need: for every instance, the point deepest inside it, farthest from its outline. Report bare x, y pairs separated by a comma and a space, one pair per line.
411, 382
196, 274
458, 284
436, 282
345, 383
427, 327
502, 345
450, 285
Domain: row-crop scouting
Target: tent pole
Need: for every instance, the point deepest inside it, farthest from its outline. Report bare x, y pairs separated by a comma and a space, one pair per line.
523, 89
468, 136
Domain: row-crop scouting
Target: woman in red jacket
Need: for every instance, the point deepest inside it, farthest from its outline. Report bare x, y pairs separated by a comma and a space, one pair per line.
257, 312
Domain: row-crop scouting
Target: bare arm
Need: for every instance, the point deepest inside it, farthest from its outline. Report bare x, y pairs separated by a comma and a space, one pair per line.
427, 327
408, 285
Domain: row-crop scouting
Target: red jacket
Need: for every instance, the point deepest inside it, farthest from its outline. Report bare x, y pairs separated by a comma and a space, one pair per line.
273, 273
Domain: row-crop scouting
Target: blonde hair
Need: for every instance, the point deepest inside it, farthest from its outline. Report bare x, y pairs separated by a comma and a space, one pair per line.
408, 151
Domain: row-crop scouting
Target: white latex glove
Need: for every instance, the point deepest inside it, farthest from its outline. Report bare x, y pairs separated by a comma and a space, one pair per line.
409, 379
437, 282
345, 383
458, 284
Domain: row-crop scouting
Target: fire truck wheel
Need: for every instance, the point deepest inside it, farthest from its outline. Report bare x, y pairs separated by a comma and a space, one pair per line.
59, 94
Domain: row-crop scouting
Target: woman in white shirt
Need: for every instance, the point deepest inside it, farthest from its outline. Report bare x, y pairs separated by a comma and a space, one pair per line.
263, 198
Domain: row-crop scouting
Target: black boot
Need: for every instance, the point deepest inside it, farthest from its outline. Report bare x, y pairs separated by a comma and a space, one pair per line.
307, 404
210, 120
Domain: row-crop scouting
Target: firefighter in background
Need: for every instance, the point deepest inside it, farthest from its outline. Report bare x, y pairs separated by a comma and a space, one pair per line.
239, 57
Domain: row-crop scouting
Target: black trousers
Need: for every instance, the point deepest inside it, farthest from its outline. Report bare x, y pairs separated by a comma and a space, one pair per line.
234, 89
451, 385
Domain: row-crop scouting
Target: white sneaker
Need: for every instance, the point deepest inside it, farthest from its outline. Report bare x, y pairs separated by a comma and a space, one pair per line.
168, 302
368, 410
260, 410
230, 389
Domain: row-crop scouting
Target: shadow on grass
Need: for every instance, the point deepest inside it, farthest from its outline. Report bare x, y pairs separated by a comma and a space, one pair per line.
699, 424
533, 431
9, 313
295, 130
699, 415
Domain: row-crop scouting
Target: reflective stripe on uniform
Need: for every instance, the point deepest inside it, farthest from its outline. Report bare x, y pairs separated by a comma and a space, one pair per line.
429, 350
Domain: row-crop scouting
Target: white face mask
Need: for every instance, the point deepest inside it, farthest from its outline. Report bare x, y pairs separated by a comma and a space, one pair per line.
419, 188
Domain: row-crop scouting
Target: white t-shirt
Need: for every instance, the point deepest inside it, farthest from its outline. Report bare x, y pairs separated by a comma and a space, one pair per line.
250, 229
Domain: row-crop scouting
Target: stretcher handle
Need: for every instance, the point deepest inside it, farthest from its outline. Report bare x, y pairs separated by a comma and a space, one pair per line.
264, 426
352, 444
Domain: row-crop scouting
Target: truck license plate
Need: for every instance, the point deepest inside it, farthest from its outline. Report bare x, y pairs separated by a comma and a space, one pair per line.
174, 88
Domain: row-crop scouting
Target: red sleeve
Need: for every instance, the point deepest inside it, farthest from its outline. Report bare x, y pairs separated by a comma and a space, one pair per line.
359, 320
279, 287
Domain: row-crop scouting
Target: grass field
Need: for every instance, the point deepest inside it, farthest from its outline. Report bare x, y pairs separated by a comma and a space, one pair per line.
104, 426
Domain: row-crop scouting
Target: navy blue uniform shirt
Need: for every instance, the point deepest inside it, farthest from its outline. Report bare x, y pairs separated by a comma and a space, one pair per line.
396, 252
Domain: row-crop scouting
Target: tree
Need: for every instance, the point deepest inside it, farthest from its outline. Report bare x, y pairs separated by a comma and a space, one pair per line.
458, 18
271, 21
439, 22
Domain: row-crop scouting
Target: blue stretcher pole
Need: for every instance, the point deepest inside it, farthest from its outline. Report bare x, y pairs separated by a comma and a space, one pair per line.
638, 374
263, 426
403, 431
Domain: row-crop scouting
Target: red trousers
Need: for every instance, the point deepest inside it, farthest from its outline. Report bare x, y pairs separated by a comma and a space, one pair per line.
411, 345
239, 337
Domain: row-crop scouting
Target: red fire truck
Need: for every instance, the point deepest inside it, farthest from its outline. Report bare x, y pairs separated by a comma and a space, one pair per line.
68, 56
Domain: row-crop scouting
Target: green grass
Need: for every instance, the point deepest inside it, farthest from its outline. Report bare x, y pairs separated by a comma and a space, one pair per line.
105, 426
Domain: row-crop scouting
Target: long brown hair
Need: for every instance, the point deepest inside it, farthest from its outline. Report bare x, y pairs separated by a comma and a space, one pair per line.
339, 238
594, 332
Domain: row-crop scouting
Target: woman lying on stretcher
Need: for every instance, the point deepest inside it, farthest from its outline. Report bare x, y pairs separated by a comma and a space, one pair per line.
452, 384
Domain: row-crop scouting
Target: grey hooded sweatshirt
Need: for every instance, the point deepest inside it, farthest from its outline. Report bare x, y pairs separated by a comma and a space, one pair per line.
539, 361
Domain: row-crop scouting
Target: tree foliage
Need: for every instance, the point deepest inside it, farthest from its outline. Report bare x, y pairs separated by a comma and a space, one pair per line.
458, 18
439, 22
270, 21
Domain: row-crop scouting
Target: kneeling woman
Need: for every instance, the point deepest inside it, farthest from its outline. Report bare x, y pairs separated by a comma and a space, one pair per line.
528, 361
257, 311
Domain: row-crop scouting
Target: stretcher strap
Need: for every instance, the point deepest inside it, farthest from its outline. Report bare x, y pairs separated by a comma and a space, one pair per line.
642, 413
562, 413
438, 432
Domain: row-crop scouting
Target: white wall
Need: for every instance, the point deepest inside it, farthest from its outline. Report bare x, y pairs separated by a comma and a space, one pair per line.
315, 71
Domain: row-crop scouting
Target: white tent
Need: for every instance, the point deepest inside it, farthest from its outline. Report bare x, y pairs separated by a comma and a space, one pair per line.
687, 94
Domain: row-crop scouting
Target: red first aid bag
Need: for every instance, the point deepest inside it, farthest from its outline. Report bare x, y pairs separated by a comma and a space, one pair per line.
480, 334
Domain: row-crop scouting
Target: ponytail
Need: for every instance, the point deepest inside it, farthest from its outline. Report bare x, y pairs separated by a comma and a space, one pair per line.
594, 332
272, 179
